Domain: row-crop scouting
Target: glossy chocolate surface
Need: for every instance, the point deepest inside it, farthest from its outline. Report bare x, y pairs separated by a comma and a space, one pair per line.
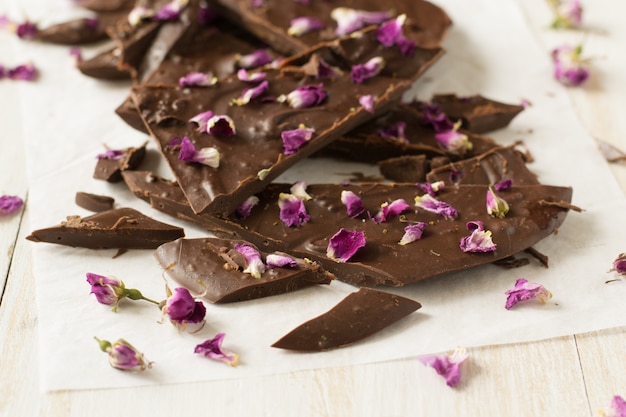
122, 228
213, 268
354, 318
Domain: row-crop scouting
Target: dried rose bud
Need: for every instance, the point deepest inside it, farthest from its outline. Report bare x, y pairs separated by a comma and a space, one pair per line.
349, 20
496, 206
254, 264
569, 15
524, 291
10, 204
303, 25
569, 67
362, 72
619, 264
294, 139
454, 141
124, 356
26, 30
292, 210
183, 311
447, 365
108, 290
344, 244
212, 349
429, 203
479, 240
388, 210
353, 203
412, 233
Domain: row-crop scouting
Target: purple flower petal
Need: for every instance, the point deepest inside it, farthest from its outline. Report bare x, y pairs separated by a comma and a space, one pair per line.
479, 241
448, 366
306, 96
10, 204
353, 203
303, 25
503, 185
25, 72
412, 233
280, 260
292, 210
496, 206
221, 125
108, 290
299, 190
569, 15
395, 132
201, 120
344, 244
388, 210
170, 11
524, 291
429, 203
26, 30
321, 69
245, 76
254, 264
617, 408
114, 154
367, 101
294, 139
436, 118
212, 349
254, 59
183, 310
124, 356
349, 20
362, 72
390, 33
432, 189
197, 79
569, 68
245, 209
454, 141
206, 156
249, 94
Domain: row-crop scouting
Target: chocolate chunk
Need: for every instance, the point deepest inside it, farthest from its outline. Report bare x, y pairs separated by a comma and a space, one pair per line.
359, 315
104, 66
167, 111
122, 228
94, 202
111, 169
426, 24
213, 267
408, 168
73, 32
477, 113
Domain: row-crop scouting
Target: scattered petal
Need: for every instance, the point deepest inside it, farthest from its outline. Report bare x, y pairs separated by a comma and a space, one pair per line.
437, 119
303, 25
344, 244
280, 260
362, 72
569, 68
617, 408
245, 209
24, 72
197, 79
395, 132
254, 264
212, 349
503, 185
349, 20
523, 291
10, 204
108, 290
249, 94
202, 120
479, 240
221, 125
448, 366
367, 102
391, 33
254, 59
388, 210
245, 76
353, 203
112, 154
305, 96
496, 206
432, 189
294, 139
292, 210
209, 156
26, 30
124, 356
319, 68
170, 11
412, 233
299, 190
454, 141
429, 203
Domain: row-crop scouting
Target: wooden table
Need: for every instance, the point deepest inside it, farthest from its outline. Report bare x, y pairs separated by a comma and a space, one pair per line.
569, 376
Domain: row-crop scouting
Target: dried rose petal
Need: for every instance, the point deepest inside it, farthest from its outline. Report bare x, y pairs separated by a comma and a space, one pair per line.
249, 94
292, 210
344, 244
436, 118
139, 14
448, 366
479, 240
294, 139
114, 154
170, 11
432, 189
349, 20
202, 120
305, 96
212, 349
367, 102
569, 68
254, 59
197, 79
124, 356
523, 291
10, 204
26, 30
496, 206
454, 141
353, 203
254, 264
569, 15
388, 210
303, 25
247, 77
280, 260
412, 233
25, 72
206, 156
395, 132
362, 72
390, 33
429, 203
299, 190
221, 125
503, 185
617, 408
245, 209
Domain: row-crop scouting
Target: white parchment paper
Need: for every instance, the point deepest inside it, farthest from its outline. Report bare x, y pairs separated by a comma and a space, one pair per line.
68, 118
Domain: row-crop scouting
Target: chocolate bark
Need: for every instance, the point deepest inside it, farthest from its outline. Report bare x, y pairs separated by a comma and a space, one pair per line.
111, 169
104, 66
359, 315
122, 228
213, 268
94, 202
167, 111
478, 114
426, 24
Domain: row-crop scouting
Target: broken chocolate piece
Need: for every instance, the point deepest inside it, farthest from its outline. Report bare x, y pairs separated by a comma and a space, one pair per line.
407, 168
111, 169
167, 111
94, 202
213, 268
74, 32
359, 315
122, 228
104, 66
477, 113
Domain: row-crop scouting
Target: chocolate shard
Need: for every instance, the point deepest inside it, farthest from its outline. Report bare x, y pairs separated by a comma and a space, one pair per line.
215, 269
407, 168
426, 23
94, 202
167, 111
111, 169
359, 315
122, 228
73, 32
104, 66
478, 114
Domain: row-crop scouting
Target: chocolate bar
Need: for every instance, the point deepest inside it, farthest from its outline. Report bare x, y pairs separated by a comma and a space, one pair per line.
255, 154
216, 269
359, 315
122, 228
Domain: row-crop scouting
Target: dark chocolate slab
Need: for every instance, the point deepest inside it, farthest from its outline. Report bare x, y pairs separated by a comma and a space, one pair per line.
359, 315
122, 228
167, 111
427, 24
211, 267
